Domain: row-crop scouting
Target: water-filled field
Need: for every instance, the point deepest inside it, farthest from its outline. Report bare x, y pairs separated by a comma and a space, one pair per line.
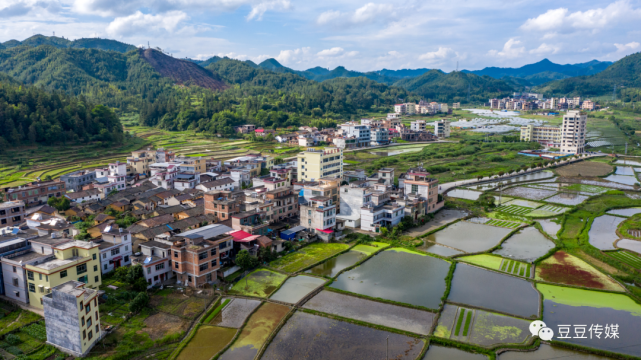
443, 217
632, 245
550, 227
603, 231
436, 352
333, 266
529, 193
208, 341
296, 288
526, 245
235, 313
567, 198
313, 337
546, 352
260, 283
255, 332
624, 212
469, 237
464, 194
398, 275
393, 316
493, 291
622, 179
441, 250
570, 306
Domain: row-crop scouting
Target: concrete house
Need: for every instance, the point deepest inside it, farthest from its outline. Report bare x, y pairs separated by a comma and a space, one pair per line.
115, 249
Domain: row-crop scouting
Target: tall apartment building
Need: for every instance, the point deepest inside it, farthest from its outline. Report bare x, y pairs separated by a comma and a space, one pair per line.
314, 164
442, 128
77, 179
11, 213
380, 136
139, 162
111, 178
72, 317
115, 248
545, 135
573, 132
319, 213
37, 192
196, 260
326, 187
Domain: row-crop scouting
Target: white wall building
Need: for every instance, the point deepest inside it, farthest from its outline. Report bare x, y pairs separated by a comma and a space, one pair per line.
156, 261
353, 197
573, 132
361, 133
115, 249
442, 128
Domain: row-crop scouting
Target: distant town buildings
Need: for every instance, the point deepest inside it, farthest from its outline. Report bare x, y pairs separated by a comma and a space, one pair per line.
531, 101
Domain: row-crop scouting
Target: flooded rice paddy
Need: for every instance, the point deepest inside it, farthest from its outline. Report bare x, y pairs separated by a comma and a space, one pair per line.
208, 341
481, 327
234, 314
260, 283
464, 194
627, 162
547, 211
622, 179
624, 170
333, 266
632, 245
570, 306
546, 352
568, 198
373, 312
529, 193
441, 250
563, 268
526, 245
401, 276
524, 203
493, 291
254, 334
550, 227
608, 184
443, 217
312, 337
624, 212
469, 237
296, 288
603, 231
441, 352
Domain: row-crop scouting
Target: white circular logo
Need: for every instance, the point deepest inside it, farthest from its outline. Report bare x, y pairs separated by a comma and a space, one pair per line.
535, 326
546, 334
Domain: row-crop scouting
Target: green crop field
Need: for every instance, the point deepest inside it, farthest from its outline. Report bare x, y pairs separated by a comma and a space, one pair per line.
503, 223
516, 268
514, 209
627, 258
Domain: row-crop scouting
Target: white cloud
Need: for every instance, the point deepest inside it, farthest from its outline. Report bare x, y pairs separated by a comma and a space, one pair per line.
627, 47
593, 19
441, 53
327, 17
292, 56
259, 10
510, 50
335, 51
370, 11
545, 49
146, 23
15, 8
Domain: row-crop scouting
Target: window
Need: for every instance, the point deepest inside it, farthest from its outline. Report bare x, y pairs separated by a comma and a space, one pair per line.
176, 265
82, 305
126, 257
40, 276
126, 247
160, 266
204, 267
90, 335
94, 256
88, 322
213, 252
202, 255
105, 266
95, 268
82, 321
189, 278
115, 251
175, 253
81, 269
213, 263
30, 275
17, 293
104, 255
15, 281
97, 329
32, 287
88, 308
14, 269
84, 334
415, 188
96, 278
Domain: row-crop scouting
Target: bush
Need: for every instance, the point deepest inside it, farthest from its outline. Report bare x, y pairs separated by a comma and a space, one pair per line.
37, 331
140, 302
12, 339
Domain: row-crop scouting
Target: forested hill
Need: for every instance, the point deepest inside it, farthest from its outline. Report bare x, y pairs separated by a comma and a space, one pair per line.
182, 72
435, 85
623, 73
59, 42
29, 115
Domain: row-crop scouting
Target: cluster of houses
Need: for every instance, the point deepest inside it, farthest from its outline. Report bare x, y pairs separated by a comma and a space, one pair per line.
533, 101
191, 216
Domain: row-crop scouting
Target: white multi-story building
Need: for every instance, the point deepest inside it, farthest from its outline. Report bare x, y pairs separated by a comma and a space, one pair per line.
418, 125
380, 136
111, 178
442, 128
156, 261
115, 249
399, 109
381, 211
353, 197
163, 174
573, 132
361, 133
319, 213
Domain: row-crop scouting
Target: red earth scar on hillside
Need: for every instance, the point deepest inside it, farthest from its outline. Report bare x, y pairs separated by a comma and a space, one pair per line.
567, 273
182, 71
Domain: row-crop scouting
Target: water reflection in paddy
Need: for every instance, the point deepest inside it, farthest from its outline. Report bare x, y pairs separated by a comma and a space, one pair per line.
602, 233
490, 290
469, 237
439, 249
464, 194
400, 276
550, 227
333, 266
546, 352
527, 245
442, 352
528, 177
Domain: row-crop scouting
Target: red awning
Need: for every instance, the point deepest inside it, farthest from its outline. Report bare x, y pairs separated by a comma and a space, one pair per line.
240, 236
328, 231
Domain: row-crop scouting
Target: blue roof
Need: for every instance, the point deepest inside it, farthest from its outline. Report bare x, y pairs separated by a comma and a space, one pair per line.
293, 230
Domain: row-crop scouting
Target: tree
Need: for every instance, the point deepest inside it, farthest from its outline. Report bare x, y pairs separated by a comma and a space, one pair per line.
135, 272
266, 254
61, 203
140, 302
245, 260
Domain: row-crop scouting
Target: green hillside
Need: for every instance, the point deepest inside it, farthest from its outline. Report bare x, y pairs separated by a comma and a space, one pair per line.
625, 72
58, 42
435, 85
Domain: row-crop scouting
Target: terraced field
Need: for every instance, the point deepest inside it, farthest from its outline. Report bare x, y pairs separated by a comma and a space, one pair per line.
503, 223
516, 268
626, 257
514, 209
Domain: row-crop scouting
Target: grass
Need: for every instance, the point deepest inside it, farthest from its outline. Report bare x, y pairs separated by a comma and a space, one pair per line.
307, 256
216, 311
260, 283
503, 223
632, 223
370, 248
17, 319
627, 258
514, 209
547, 211
467, 323
485, 260
459, 322
581, 297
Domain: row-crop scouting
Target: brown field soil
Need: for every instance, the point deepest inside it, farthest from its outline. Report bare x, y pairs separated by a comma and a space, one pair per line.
564, 268
161, 325
585, 168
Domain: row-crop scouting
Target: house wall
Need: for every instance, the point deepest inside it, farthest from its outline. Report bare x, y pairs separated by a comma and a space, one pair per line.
8, 281
63, 322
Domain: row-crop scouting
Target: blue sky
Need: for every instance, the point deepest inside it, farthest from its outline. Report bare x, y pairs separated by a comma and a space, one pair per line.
360, 35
